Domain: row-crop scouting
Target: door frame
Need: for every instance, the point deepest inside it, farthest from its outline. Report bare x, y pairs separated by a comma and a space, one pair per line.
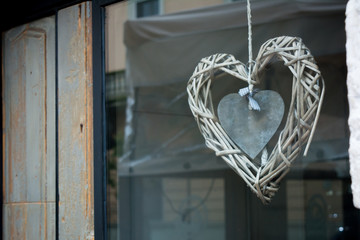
99, 120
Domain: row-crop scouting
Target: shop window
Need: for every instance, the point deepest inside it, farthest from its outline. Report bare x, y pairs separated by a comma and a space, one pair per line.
164, 183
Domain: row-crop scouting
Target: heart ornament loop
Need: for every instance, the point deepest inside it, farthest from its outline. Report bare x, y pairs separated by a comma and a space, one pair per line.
307, 95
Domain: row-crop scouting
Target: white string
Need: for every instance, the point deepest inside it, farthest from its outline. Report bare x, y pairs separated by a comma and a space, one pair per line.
250, 63
249, 31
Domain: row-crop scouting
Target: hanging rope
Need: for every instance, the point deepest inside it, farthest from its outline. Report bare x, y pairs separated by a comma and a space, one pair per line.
251, 61
248, 91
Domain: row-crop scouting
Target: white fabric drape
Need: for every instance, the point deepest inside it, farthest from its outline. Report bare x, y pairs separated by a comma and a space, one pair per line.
181, 40
353, 82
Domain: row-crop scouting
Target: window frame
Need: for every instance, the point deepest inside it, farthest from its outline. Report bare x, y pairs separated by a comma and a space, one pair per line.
99, 119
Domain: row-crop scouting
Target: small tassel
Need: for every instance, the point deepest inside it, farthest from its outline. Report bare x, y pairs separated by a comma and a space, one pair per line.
253, 104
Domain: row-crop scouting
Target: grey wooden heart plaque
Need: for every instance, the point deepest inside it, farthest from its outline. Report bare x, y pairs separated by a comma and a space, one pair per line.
251, 130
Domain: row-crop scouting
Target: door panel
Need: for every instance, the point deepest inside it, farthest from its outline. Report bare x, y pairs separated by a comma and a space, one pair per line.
29, 130
32, 136
29, 221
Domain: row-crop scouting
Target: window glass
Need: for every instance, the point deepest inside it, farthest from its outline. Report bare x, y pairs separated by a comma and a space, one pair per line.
147, 8
162, 180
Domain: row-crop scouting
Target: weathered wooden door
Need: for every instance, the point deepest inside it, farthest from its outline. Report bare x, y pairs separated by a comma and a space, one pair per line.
47, 128
29, 131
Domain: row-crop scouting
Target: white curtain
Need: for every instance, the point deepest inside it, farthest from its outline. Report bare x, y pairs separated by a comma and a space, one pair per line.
165, 49
353, 82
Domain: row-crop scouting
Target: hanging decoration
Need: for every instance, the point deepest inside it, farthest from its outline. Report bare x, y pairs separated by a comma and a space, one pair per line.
248, 119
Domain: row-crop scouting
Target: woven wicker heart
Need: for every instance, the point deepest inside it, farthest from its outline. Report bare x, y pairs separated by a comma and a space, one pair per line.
307, 95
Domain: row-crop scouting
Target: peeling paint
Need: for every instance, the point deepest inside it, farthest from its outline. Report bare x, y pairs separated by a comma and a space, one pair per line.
75, 123
29, 128
29, 131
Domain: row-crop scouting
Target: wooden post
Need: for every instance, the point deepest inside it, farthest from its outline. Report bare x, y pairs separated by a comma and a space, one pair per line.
76, 208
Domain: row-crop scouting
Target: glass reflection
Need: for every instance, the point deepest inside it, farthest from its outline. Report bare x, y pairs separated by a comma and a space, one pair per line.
163, 182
